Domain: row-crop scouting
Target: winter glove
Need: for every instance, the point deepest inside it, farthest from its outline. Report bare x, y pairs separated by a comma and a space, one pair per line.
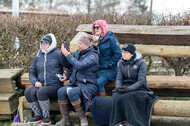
122, 90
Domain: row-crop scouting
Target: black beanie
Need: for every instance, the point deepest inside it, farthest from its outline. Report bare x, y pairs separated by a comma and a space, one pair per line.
47, 39
130, 48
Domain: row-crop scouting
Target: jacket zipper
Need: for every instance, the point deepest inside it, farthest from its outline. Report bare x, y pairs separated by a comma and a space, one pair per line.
45, 57
128, 71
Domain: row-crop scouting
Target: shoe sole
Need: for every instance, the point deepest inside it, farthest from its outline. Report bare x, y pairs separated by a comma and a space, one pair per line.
45, 124
33, 122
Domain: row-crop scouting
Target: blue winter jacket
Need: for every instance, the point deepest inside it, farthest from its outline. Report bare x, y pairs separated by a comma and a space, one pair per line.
47, 64
110, 54
85, 66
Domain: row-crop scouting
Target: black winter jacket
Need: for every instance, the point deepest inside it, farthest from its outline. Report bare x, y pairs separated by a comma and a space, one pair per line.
132, 76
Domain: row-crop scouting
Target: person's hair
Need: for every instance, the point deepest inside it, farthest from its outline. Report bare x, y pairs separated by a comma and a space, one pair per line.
85, 40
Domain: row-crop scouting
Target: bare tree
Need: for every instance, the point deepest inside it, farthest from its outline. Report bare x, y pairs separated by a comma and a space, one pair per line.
138, 5
89, 6
34, 4
5, 3
105, 6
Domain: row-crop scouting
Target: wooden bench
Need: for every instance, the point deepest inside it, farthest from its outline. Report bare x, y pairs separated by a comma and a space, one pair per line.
168, 41
9, 92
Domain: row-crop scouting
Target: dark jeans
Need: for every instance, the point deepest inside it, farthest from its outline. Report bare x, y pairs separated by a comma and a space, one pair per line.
44, 93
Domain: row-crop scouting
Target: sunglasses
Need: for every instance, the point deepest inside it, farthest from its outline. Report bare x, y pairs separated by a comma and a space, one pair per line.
97, 27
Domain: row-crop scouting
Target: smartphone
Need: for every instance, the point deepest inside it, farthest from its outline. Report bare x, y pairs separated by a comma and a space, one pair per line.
59, 76
66, 45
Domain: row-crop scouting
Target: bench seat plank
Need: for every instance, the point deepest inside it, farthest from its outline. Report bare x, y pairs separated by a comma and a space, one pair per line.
176, 108
159, 82
164, 82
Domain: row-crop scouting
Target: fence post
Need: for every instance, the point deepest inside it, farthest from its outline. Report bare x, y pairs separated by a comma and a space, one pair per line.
15, 8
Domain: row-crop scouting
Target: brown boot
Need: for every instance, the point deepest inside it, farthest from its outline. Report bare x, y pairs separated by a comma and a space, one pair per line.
80, 112
64, 109
101, 94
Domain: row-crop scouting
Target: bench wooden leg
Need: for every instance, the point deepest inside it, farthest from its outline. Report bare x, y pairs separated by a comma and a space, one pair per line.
21, 107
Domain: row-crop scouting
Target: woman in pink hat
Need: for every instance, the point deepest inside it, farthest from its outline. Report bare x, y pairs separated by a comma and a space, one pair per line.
110, 54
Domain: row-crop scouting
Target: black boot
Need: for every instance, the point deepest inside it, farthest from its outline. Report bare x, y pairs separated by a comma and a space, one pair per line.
64, 110
37, 113
45, 106
80, 112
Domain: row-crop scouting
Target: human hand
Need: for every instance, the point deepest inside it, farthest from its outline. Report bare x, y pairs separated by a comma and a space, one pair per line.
38, 84
122, 90
64, 78
96, 39
64, 51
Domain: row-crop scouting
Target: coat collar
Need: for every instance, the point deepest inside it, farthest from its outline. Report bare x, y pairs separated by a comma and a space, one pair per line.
109, 33
137, 58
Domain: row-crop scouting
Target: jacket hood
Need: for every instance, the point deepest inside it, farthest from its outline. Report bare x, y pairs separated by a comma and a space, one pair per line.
138, 55
103, 24
52, 46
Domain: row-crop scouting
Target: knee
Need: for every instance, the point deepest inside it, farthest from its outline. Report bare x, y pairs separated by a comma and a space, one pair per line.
71, 93
28, 91
61, 92
101, 81
41, 92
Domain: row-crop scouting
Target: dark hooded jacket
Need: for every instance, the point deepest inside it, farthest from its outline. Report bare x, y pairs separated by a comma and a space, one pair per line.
47, 64
110, 52
83, 75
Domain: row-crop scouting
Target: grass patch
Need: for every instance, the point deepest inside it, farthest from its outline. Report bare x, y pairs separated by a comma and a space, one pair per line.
6, 123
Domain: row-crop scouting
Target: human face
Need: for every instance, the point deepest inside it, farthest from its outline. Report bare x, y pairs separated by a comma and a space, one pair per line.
97, 30
126, 55
82, 46
45, 46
